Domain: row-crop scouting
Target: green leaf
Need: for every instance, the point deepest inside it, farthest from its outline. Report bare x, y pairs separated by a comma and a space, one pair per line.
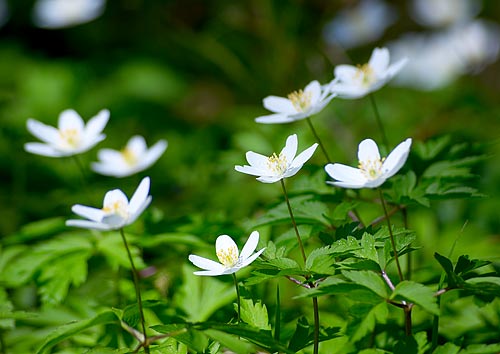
366, 317
321, 261
185, 333
369, 280
255, 314
481, 349
112, 247
299, 338
71, 329
36, 230
171, 238
418, 294
368, 250
448, 348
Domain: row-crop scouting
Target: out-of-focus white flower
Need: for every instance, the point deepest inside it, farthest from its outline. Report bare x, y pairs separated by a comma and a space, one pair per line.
476, 43
444, 13
299, 104
229, 257
117, 211
358, 81
372, 171
362, 24
276, 167
135, 157
71, 137
66, 13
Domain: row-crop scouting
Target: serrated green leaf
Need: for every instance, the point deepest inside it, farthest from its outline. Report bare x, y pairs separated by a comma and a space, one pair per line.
368, 250
321, 261
417, 294
481, 349
366, 317
111, 246
369, 280
71, 329
342, 210
185, 333
254, 314
447, 348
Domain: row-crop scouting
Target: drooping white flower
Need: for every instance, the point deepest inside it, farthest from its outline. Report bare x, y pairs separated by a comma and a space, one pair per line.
117, 211
361, 24
372, 171
276, 167
298, 105
135, 157
66, 13
444, 13
358, 81
70, 138
229, 257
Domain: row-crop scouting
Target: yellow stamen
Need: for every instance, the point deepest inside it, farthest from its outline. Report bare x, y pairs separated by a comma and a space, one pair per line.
301, 100
70, 137
277, 164
365, 73
228, 256
117, 207
129, 156
371, 169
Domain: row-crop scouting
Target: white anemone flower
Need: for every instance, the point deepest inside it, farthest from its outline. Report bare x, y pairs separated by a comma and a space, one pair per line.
117, 212
54, 14
358, 81
298, 105
135, 157
70, 138
276, 167
444, 13
229, 257
372, 170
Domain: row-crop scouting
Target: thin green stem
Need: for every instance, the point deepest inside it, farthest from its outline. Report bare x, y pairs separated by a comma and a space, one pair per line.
318, 140
379, 121
316, 325
237, 296
301, 246
137, 290
277, 315
409, 267
81, 169
393, 243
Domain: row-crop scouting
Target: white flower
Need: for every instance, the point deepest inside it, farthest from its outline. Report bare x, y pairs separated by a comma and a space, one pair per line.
299, 104
372, 170
360, 24
66, 13
117, 211
71, 137
358, 81
135, 157
276, 167
227, 253
444, 13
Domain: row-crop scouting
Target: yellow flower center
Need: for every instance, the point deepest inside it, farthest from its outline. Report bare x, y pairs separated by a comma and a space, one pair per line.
129, 156
277, 164
371, 169
365, 74
117, 207
71, 137
301, 100
228, 256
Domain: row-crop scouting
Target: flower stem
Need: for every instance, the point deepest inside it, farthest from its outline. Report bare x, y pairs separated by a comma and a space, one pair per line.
301, 246
137, 290
396, 258
318, 139
237, 296
379, 121
316, 325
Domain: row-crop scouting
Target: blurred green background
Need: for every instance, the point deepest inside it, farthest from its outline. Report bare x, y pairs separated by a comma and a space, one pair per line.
195, 73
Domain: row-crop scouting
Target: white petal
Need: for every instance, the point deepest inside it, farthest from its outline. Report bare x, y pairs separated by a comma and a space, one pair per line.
69, 119
304, 156
86, 224
396, 158
252, 258
368, 151
205, 263
278, 118
137, 145
279, 105
90, 213
109, 155
111, 169
136, 213
249, 170
345, 73
114, 196
291, 171
396, 67
345, 173
210, 273
152, 155
43, 132
314, 89
96, 124
225, 242
43, 150
349, 90
290, 149
89, 143
352, 185
269, 179
114, 221
250, 245
379, 61
257, 160
140, 196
